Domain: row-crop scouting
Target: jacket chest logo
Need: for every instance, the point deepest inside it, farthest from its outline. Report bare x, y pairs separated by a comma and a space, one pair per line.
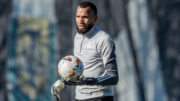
89, 46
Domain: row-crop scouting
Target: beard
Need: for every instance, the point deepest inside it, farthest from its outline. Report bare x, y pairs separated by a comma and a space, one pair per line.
85, 30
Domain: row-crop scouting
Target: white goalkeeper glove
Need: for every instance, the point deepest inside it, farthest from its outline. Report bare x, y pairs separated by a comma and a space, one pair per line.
56, 88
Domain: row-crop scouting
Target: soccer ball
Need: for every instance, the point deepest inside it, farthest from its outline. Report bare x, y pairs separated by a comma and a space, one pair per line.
70, 68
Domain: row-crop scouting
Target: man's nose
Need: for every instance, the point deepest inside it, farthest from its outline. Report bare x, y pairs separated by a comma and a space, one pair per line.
81, 20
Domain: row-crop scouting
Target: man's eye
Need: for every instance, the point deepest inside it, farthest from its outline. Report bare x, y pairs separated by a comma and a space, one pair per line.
85, 17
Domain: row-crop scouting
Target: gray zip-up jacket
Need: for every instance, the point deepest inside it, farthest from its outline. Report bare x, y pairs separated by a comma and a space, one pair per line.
96, 50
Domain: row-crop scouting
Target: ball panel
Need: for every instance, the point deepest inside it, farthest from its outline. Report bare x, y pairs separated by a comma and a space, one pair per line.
72, 73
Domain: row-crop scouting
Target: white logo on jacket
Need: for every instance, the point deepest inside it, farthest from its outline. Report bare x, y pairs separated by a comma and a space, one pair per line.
89, 46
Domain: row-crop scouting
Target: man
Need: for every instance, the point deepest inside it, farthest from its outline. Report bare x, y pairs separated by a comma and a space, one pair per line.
95, 48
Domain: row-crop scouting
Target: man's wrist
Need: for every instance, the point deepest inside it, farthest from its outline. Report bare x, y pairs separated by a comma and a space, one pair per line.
90, 81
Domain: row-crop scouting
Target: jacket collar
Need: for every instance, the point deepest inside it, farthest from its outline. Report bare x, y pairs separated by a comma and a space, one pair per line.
90, 32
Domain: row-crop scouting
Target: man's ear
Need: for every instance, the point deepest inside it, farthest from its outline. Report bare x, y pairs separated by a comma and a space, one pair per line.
95, 18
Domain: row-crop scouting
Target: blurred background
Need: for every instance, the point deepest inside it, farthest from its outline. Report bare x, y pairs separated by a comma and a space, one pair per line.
36, 34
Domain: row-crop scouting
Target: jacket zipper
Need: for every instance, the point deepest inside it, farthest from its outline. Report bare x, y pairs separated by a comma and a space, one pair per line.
81, 44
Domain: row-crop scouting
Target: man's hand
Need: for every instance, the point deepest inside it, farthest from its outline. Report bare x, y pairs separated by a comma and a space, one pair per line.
82, 81
56, 88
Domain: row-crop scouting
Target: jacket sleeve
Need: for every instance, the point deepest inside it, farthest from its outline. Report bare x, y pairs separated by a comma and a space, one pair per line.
110, 65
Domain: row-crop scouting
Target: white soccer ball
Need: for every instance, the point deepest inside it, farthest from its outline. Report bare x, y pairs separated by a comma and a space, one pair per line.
70, 68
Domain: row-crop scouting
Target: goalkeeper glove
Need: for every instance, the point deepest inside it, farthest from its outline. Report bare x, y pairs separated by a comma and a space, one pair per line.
56, 88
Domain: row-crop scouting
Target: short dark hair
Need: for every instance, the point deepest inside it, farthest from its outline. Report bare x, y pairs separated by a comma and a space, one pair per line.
89, 4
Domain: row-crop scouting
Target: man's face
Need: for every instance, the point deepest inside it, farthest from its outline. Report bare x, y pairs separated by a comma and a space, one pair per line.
85, 19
